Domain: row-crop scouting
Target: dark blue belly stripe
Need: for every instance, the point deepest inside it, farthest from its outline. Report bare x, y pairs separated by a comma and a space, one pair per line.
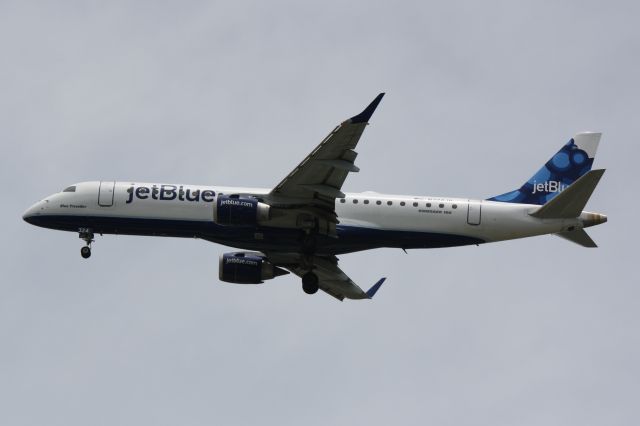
350, 238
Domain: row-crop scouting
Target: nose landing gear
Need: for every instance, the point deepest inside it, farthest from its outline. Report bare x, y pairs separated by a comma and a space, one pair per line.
87, 236
85, 252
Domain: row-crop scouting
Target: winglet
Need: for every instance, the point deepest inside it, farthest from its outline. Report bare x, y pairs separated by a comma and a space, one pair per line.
365, 115
374, 288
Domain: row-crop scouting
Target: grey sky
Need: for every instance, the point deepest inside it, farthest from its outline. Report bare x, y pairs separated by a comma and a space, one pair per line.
479, 95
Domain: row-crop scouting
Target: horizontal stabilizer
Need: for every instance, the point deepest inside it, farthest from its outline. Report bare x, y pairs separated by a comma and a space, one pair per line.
569, 203
579, 237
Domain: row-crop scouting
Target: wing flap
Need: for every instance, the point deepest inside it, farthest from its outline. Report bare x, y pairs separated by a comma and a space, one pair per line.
340, 164
326, 190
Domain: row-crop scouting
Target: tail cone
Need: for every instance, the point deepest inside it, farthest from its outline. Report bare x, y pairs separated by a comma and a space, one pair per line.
592, 219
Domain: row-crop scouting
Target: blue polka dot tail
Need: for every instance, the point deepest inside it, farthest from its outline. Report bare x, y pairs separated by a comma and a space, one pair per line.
573, 160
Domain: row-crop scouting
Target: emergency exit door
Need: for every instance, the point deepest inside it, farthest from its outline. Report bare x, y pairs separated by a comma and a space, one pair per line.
105, 194
474, 214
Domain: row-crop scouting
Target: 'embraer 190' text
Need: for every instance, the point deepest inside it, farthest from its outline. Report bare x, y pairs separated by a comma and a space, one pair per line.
169, 192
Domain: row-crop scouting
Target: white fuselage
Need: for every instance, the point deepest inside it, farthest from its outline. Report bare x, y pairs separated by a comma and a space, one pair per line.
366, 220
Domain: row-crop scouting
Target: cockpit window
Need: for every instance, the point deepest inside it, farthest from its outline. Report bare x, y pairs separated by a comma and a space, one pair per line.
70, 189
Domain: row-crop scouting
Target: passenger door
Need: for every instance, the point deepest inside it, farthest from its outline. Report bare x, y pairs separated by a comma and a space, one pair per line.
105, 194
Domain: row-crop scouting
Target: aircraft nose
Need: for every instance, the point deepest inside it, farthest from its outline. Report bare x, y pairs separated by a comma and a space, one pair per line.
28, 215
32, 212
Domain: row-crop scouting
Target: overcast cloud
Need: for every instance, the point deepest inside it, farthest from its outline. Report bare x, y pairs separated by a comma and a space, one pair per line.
479, 95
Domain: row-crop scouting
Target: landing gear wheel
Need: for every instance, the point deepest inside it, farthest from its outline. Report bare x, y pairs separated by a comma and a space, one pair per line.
87, 236
85, 252
310, 283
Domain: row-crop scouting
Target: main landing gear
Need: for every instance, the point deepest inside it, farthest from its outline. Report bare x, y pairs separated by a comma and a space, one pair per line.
310, 283
87, 236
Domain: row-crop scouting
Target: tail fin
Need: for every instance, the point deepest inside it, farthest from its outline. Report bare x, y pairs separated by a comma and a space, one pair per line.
570, 203
570, 163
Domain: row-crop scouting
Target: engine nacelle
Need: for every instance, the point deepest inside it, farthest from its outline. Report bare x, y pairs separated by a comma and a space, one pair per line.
247, 268
239, 211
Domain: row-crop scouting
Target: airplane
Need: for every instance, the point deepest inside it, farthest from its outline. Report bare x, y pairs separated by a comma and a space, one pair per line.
303, 223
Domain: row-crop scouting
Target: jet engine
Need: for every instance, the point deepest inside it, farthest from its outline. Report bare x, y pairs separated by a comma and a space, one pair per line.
247, 268
239, 211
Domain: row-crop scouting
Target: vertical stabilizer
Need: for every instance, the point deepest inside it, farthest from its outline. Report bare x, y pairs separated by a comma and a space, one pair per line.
573, 160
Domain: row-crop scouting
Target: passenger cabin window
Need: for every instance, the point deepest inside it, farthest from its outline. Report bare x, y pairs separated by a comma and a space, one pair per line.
402, 203
378, 202
342, 200
70, 189
355, 201
441, 205
389, 203
366, 201
415, 204
428, 204
455, 206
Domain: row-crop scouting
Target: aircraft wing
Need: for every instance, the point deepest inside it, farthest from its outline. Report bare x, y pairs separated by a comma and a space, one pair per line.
331, 278
317, 181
